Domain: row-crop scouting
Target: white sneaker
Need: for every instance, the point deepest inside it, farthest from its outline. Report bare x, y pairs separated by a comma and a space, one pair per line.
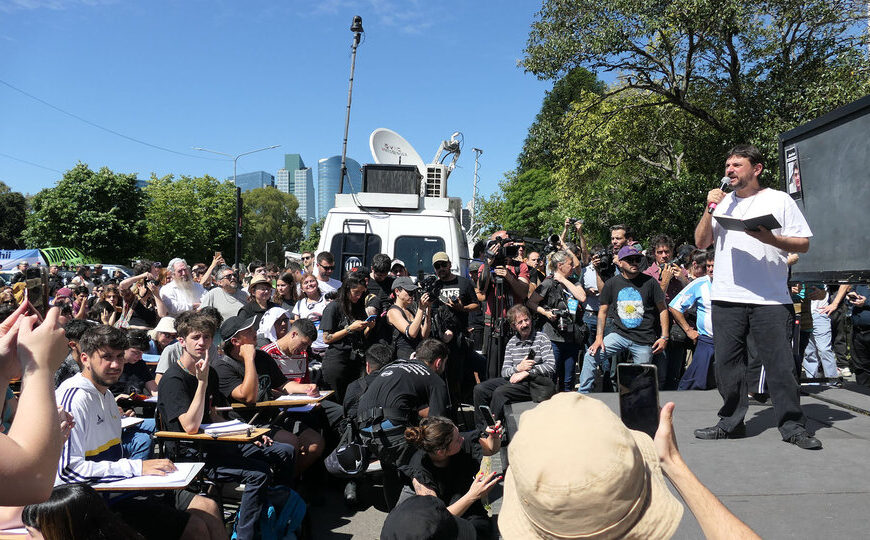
844, 372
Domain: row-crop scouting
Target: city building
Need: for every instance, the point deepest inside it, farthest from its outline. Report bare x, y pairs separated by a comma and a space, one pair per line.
282, 180
254, 180
292, 163
328, 180
307, 197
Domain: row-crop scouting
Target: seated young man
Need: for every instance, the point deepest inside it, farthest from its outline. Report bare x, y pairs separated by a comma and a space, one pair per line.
136, 378
520, 369
249, 375
93, 452
187, 396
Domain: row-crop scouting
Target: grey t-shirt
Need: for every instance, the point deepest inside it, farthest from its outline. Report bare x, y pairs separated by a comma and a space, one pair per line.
172, 353
228, 304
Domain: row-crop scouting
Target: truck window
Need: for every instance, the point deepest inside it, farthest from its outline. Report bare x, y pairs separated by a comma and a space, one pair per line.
353, 247
416, 252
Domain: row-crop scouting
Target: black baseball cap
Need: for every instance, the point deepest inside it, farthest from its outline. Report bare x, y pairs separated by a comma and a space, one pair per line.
234, 325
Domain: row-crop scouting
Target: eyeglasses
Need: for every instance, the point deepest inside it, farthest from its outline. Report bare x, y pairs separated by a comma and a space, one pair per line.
326, 267
230, 276
441, 264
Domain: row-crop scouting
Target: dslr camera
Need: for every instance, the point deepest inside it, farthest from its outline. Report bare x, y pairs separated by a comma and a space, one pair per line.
504, 251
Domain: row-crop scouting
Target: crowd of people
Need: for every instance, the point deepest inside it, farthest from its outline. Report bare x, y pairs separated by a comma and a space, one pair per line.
400, 356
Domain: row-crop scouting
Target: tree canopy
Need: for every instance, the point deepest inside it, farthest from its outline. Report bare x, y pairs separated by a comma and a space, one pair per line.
693, 78
270, 215
189, 218
100, 213
13, 211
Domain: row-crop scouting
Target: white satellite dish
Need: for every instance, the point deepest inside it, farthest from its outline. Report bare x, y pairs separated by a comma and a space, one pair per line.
390, 148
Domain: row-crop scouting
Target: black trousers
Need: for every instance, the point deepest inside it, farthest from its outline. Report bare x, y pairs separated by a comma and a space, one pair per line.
496, 393
768, 326
861, 355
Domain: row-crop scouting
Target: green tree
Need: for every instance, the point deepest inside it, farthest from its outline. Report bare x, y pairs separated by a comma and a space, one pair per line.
99, 213
189, 218
747, 70
13, 212
270, 215
313, 239
546, 133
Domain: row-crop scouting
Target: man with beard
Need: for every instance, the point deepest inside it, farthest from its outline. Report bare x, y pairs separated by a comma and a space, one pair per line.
226, 297
182, 293
632, 300
93, 451
750, 298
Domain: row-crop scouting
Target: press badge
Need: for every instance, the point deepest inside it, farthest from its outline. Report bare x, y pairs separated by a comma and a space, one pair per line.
572, 305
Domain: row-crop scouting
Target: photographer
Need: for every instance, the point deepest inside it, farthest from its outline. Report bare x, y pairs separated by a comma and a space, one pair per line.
453, 298
344, 331
494, 274
577, 225
671, 278
410, 324
559, 299
857, 299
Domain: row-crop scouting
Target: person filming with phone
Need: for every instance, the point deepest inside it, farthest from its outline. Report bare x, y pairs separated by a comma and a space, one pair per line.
527, 372
857, 300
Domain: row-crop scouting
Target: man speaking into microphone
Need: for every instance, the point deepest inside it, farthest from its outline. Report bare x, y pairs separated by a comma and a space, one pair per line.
750, 296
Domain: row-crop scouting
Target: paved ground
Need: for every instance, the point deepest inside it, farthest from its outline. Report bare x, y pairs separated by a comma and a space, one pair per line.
780, 490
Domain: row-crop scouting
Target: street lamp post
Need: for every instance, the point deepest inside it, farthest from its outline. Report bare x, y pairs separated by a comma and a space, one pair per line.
237, 244
267, 250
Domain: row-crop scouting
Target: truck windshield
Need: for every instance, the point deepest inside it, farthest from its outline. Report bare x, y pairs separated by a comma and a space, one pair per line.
416, 252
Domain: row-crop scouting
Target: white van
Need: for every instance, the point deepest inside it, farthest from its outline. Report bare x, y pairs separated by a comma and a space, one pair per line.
403, 225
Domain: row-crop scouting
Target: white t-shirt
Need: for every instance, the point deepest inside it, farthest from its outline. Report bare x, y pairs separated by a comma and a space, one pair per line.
747, 270
307, 309
327, 287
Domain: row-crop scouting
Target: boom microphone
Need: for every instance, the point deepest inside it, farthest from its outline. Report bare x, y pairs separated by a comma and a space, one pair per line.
725, 183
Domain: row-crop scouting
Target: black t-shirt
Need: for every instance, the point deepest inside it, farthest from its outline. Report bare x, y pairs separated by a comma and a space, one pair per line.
133, 379
175, 394
556, 296
354, 391
253, 309
143, 316
450, 483
334, 320
632, 305
231, 373
462, 288
406, 385
382, 290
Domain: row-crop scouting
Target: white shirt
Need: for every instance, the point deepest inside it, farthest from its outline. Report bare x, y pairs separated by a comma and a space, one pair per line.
177, 301
328, 286
747, 270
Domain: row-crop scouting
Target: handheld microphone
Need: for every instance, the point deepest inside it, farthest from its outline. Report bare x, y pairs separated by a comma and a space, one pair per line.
725, 183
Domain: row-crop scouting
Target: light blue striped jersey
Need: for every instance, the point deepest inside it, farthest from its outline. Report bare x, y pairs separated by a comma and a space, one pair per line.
696, 293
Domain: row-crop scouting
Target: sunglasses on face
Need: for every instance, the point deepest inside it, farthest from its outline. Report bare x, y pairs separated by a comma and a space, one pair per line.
306, 258
442, 264
327, 267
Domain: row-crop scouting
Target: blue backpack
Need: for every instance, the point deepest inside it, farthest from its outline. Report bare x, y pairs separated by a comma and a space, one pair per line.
282, 515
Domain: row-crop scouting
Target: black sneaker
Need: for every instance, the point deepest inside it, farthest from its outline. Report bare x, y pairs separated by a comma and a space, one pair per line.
805, 440
716, 433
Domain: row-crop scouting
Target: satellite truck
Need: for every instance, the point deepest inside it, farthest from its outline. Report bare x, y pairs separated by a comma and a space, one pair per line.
401, 209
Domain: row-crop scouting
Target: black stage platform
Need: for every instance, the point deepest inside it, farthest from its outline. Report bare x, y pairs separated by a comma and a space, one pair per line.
778, 489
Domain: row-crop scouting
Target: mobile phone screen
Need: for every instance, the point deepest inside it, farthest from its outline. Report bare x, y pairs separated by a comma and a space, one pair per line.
371, 318
639, 397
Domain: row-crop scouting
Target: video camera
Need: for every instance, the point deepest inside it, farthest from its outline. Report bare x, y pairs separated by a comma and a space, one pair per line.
430, 285
504, 255
552, 244
565, 318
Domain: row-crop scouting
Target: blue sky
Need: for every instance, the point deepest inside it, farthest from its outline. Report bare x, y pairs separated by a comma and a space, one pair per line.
239, 75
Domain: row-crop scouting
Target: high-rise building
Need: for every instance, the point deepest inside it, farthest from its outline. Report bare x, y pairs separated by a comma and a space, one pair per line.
292, 163
305, 194
282, 180
254, 180
329, 178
